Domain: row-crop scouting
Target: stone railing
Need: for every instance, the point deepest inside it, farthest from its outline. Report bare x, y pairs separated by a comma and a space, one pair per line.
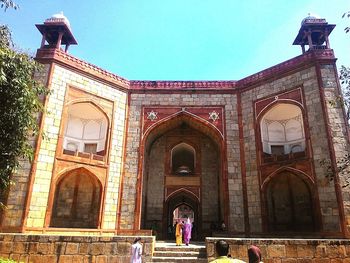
50, 248
287, 250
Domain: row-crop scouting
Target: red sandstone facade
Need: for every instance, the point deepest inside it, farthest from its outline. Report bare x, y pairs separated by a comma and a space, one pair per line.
122, 156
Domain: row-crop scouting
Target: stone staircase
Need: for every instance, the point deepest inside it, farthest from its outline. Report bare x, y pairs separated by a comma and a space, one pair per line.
169, 252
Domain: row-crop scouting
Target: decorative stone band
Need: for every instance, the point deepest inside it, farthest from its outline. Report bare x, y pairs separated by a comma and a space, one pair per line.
50, 54
44, 55
291, 64
212, 116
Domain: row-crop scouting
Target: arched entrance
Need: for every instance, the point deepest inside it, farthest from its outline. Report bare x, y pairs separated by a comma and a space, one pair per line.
289, 203
170, 180
180, 206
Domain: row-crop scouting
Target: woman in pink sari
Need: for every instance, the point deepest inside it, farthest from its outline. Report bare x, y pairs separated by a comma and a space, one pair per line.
187, 231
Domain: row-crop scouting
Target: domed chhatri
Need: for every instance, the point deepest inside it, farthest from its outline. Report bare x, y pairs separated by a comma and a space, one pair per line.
56, 31
314, 32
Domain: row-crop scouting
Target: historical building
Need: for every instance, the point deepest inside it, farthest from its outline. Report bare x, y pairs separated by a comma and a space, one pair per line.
120, 156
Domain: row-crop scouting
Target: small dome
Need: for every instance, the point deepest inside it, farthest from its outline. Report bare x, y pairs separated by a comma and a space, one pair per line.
58, 18
310, 17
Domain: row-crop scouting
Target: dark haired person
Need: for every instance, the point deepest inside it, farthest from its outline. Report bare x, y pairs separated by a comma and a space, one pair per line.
254, 254
222, 248
136, 251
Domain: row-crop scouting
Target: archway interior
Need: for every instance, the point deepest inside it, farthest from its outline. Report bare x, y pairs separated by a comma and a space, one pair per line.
166, 172
180, 207
289, 204
183, 213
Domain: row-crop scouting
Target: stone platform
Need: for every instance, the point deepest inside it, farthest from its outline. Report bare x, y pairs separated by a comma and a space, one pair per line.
287, 250
116, 249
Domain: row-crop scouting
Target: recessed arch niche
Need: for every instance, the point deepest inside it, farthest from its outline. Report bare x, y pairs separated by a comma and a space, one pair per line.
86, 129
77, 200
289, 203
282, 130
183, 159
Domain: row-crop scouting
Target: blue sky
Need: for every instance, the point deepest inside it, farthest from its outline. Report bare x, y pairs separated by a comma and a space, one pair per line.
182, 39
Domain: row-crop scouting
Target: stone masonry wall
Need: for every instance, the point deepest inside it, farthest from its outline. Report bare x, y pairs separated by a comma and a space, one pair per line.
210, 181
287, 250
232, 136
18, 191
308, 80
63, 249
338, 131
155, 185
61, 78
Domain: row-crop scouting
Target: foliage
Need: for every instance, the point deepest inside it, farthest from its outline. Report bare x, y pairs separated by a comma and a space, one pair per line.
347, 14
8, 4
19, 106
342, 169
2, 260
345, 82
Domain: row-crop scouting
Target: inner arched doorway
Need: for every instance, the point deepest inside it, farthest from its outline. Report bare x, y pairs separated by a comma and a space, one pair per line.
182, 165
181, 206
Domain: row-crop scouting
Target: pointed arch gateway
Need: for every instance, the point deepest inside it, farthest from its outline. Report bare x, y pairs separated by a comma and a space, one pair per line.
200, 182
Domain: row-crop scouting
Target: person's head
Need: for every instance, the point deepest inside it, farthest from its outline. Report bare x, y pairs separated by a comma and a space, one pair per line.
138, 239
254, 254
221, 248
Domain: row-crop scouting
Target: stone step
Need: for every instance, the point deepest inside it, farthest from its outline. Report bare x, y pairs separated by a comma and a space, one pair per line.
197, 254
169, 252
179, 259
180, 248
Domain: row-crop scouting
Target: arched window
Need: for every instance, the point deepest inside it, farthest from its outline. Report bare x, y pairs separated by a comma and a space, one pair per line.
183, 159
86, 130
77, 201
282, 130
289, 204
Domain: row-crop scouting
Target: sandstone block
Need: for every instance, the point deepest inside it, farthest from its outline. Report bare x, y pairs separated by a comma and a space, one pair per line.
101, 259
5, 247
305, 252
336, 251
33, 248
72, 248
97, 248
275, 251
84, 248
45, 248
123, 248
321, 251
66, 258
321, 260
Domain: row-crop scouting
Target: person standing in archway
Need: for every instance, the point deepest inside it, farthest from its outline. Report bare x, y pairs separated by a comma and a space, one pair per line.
187, 231
178, 233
